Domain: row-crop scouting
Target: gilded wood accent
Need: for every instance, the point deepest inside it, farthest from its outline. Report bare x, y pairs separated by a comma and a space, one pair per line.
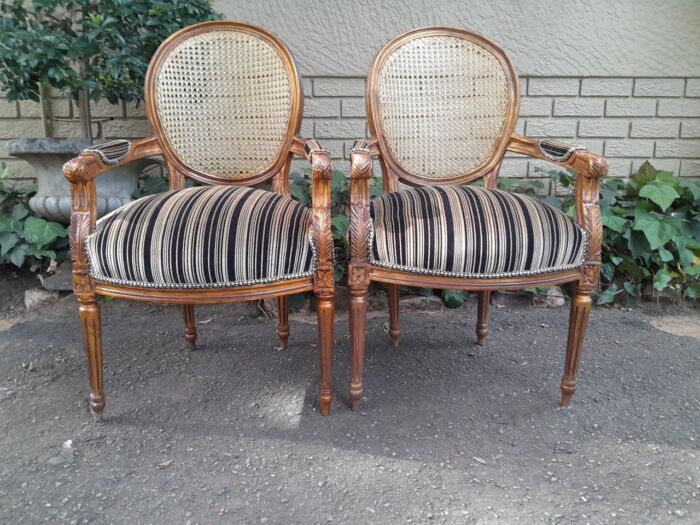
283, 321
482, 326
190, 326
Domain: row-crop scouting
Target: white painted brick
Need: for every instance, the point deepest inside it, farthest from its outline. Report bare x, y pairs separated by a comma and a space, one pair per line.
353, 107
539, 169
322, 107
513, 168
619, 167
4, 154
307, 87
339, 87
535, 107
520, 126
684, 148
683, 107
60, 107
606, 127
18, 128
579, 107
522, 85
126, 128
640, 107
551, 128
69, 129
690, 129
553, 86
102, 109
660, 164
659, 128
132, 110
593, 145
19, 170
307, 129
606, 87
659, 87
8, 109
629, 148
340, 129
690, 168
335, 147
692, 87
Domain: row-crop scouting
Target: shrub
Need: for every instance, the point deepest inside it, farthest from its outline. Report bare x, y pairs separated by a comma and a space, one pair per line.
25, 239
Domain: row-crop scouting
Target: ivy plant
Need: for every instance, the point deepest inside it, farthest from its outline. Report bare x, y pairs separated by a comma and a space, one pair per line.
27, 240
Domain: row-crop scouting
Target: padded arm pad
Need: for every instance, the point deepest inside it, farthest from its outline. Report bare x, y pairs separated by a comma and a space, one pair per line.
112, 152
557, 151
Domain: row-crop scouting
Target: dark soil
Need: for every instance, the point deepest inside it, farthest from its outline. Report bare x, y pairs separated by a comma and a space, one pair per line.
449, 433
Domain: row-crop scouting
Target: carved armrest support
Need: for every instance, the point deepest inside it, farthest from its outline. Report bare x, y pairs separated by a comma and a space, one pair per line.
81, 172
589, 169
321, 171
360, 220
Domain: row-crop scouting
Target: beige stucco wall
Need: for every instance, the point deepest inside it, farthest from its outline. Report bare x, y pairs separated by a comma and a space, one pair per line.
621, 77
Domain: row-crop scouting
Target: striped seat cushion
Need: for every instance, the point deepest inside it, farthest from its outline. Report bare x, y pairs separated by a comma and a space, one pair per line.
472, 232
205, 237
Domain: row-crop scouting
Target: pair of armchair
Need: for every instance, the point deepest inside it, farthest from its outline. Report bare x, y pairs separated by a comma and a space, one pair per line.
224, 101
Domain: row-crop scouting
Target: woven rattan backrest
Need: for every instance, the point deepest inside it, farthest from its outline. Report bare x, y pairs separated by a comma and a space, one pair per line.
224, 99
442, 103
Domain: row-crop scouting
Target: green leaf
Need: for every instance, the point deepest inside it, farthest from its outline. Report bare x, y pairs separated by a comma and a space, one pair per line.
665, 255
662, 278
615, 223
8, 240
340, 224
661, 194
19, 211
18, 255
607, 296
693, 291
41, 232
630, 288
454, 298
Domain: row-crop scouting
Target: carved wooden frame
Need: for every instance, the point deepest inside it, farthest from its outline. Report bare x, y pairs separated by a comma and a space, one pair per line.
82, 171
589, 169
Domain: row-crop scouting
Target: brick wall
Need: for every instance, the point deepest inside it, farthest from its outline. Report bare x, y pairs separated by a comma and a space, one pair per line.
629, 120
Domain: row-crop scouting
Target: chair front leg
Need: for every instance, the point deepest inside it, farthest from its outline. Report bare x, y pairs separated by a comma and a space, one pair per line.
358, 269
578, 320
283, 321
324, 277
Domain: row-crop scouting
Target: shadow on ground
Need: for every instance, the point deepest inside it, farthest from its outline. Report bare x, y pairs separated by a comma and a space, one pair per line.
449, 433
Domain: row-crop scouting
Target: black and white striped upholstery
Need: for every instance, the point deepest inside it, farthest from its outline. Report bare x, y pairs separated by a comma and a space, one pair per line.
467, 231
205, 237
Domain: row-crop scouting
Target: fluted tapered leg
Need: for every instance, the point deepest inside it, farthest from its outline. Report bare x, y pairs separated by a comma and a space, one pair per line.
578, 320
283, 321
92, 342
394, 327
190, 327
325, 310
358, 322
482, 325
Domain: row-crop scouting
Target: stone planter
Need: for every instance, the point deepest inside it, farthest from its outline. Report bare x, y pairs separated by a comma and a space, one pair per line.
52, 199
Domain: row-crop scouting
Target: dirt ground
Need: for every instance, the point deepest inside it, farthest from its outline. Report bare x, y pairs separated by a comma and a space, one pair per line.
449, 433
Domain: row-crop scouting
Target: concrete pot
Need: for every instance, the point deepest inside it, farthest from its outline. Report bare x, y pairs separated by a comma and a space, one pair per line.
52, 199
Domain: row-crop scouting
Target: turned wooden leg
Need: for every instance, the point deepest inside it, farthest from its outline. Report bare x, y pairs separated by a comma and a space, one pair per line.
92, 342
578, 319
394, 329
358, 322
190, 327
482, 324
325, 310
283, 321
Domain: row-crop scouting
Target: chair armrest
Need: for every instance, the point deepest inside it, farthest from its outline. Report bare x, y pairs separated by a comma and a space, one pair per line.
589, 169
321, 171
360, 220
81, 172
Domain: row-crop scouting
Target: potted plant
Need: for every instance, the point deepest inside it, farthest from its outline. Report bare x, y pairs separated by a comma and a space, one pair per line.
87, 50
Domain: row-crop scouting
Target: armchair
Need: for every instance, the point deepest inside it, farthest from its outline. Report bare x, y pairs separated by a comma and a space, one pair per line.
442, 105
219, 120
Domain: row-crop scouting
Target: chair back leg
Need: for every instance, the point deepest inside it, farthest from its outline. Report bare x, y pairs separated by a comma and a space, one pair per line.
190, 327
283, 321
325, 310
482, 325
578, 320
358, 322
394, 328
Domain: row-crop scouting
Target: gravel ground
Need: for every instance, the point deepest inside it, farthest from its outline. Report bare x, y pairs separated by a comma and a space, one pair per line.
449, 433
